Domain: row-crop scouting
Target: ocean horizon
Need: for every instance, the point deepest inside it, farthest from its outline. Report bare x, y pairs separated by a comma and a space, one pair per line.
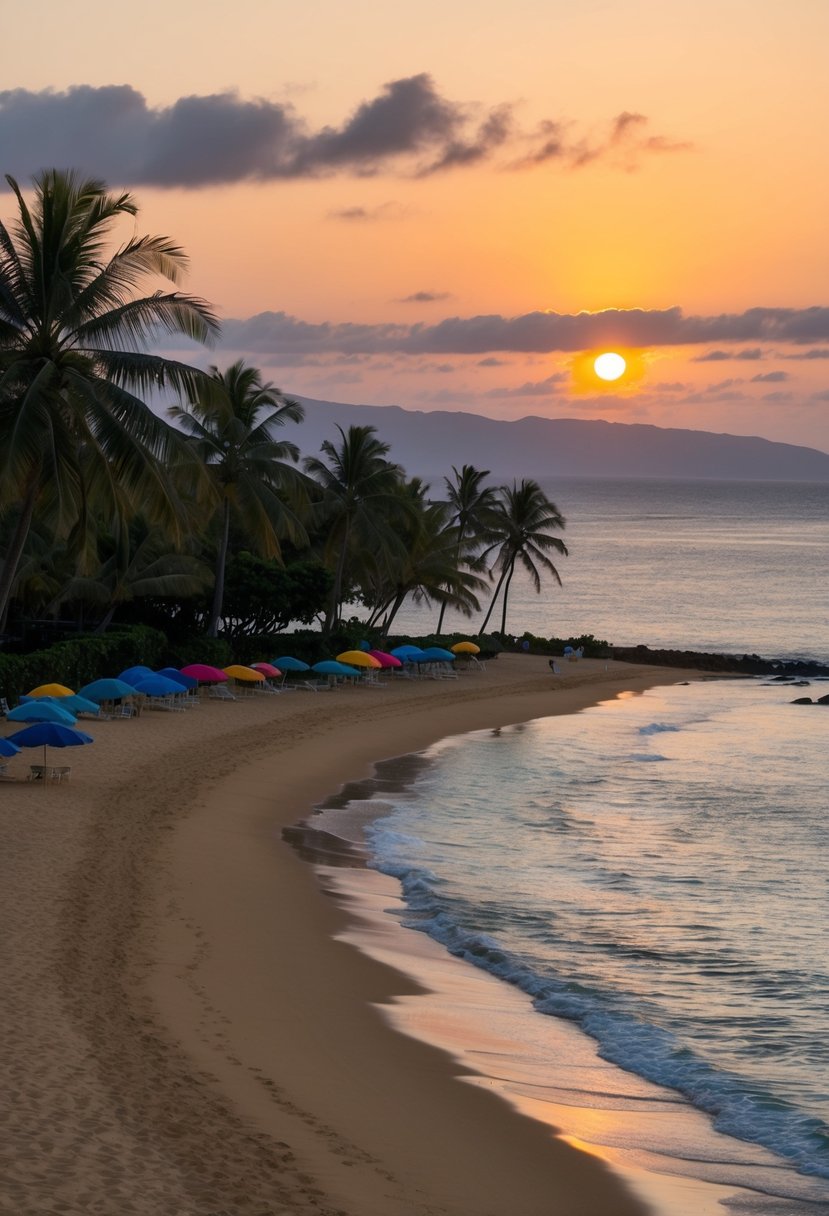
727, 567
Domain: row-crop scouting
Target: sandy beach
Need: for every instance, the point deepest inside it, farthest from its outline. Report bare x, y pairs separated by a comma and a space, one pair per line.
186, 1032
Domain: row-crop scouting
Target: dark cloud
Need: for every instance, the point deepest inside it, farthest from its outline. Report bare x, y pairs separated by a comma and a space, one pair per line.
717, 356
770, 378
532, 333
624, 144
820, 352
111, 132
493, 362
424, 297
368, 215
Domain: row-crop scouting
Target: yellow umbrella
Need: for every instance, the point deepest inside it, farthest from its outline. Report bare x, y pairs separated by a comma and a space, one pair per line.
51, 690
237, 672
465, 648
358, 658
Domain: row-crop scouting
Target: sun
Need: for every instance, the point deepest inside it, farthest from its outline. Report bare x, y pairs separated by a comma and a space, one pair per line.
609, 366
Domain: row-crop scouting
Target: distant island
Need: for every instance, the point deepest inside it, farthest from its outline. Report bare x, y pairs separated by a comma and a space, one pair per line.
428, 444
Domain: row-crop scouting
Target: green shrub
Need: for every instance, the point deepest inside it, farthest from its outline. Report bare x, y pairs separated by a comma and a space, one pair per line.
79, 660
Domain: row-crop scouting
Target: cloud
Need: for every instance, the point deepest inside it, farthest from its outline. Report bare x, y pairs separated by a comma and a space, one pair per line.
384, 211
770, 378
820, 352
531, 333
424, 297
111, 131
623, 144
532, 388
717, 356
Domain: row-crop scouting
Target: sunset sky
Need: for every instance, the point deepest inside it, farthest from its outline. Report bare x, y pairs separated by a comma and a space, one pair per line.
455, 205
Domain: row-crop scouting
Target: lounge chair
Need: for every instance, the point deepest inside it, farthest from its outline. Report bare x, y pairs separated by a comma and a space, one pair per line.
220, 692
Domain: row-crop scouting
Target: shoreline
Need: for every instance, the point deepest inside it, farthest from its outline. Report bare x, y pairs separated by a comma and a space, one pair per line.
205, 1040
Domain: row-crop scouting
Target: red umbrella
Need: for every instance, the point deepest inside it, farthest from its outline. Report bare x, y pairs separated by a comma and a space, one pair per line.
204, 673
385, 660
268, 670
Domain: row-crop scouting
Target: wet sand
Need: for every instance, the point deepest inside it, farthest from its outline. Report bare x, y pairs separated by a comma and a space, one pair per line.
186, 1031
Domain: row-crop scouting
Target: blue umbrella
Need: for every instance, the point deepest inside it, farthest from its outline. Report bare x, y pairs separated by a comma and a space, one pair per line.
287, 663
76, 704
41, 711
8, 748
173, 673
434, 654
107, 690
330, 667
133, 674
49, 734
407, 653
155, 685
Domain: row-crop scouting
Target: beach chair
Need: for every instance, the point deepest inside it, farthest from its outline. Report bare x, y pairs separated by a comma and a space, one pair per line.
477, 664
554, 667
220, 692
4, 707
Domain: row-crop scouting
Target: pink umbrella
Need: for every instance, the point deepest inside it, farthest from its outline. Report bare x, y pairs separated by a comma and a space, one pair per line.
204, 673
385, 660
268, 670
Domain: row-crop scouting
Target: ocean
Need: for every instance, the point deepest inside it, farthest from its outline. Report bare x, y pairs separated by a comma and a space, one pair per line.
730, 567
652, 872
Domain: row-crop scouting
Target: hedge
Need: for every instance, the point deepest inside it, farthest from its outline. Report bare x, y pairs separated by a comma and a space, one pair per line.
79, 660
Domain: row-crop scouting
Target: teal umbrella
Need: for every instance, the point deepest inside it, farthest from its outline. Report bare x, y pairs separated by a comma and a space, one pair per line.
41, 711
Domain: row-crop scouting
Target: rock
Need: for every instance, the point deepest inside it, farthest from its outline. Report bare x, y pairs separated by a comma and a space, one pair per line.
802, 701
823, 700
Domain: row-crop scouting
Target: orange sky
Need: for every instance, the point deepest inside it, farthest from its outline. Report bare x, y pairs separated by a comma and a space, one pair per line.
508, 161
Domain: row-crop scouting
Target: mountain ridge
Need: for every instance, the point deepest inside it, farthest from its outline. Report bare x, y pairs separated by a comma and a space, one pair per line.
427, 444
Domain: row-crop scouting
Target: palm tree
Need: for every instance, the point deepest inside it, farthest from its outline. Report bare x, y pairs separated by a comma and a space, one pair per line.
472, 509
526, 515
74, 330
231, 429
358, 490
426, 565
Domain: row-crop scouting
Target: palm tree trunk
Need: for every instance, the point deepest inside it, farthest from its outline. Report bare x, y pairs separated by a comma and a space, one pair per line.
336, 590
492, 602
506, 596
395, 608
18, 543
219, 585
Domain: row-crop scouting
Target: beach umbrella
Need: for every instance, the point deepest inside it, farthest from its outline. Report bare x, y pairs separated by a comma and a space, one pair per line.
247, 675
286, 662
51, 690
173, 673
76, 704
49, 734
107, 690
7, 748
434, 654
155, 685
268, 670
358, 658
386, 660
331, 667
133, 674
406, 653
204, 673
41, 711
465, 648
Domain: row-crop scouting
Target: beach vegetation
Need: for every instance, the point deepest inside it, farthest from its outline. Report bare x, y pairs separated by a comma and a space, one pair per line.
523, 528
231, 427
76, 327
427, 566
356, 508
472, 506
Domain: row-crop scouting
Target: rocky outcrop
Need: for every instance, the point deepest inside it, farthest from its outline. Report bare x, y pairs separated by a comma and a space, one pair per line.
747, 664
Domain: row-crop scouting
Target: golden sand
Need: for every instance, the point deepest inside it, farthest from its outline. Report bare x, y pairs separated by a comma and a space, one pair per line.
183, 1034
